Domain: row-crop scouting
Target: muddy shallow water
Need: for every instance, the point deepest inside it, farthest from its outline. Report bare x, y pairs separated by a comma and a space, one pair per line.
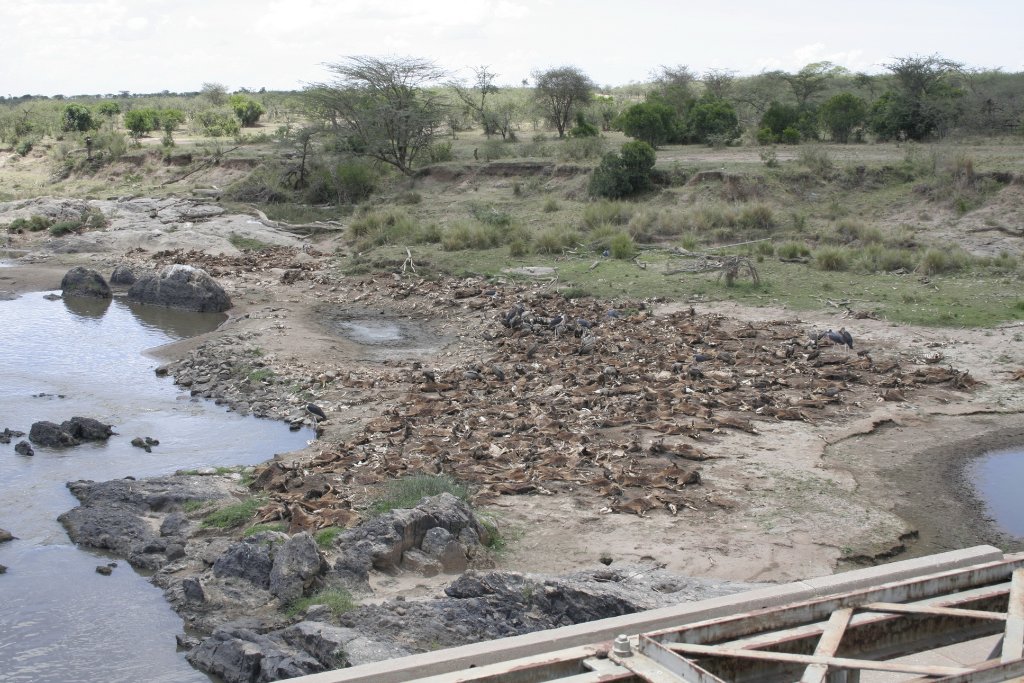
926, 470
997, 478
61, 620
381, 335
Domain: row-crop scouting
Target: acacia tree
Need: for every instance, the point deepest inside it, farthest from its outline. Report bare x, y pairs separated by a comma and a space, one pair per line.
474, 96
383, 107
559, 92
925, 98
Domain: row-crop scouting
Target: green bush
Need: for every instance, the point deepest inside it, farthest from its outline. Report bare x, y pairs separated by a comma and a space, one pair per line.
385, 226
555, 240
140, 122
34, 223
942, 261
263, 186
64, 227
214, 124
247, 110
790, 136
756, 217
78, 118
583, 129
793, 250
765, 136
624, 174
880, 259
621, 247
832, 259
408, 491
356, 180
469, 234
581, 149
605, 212
439, 152
24, 146
488, 215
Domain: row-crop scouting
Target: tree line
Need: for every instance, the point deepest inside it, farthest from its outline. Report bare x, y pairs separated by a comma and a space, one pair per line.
399, 111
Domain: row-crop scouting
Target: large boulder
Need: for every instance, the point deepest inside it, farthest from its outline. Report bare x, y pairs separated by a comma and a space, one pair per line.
240, 655
122, 275
81, 281
69, 433
180, 286
297, 565
251, 559
50, 435
87, 429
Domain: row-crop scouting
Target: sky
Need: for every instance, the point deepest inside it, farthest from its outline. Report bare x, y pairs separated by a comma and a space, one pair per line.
74, 47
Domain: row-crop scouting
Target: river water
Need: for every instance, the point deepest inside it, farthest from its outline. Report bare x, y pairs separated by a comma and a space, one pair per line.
59, 619
997, 477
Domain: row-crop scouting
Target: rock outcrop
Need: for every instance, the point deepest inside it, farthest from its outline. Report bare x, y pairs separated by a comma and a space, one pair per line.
122, 275
69, 433
439, 534
81, 281
181, 286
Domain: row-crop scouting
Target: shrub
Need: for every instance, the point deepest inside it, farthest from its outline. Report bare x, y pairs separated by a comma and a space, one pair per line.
355, 180
765, 136
34, 223
790, 136
24, 146
489, 215
64, 227
583, 129
555, 240
816, 159
832, 259
941, 261
653, 122
581, 149
77, 117
606, 212
387, 226
550, 205
622, 247
624, 174
408, 491
440, 152
215, 124
140, 122
879, 259
793, 250
262, 186
849, 230
247, 110
756, 217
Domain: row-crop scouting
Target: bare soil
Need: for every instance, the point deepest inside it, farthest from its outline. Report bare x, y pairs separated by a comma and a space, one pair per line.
861, 480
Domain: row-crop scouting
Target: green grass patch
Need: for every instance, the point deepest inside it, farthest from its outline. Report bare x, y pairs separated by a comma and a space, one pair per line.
260, 375
325, 537
194, 505
248, 243
338, 600
408, 491
235, 514
260, 528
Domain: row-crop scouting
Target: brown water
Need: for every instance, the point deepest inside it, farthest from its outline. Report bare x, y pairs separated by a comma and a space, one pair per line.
59, 619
